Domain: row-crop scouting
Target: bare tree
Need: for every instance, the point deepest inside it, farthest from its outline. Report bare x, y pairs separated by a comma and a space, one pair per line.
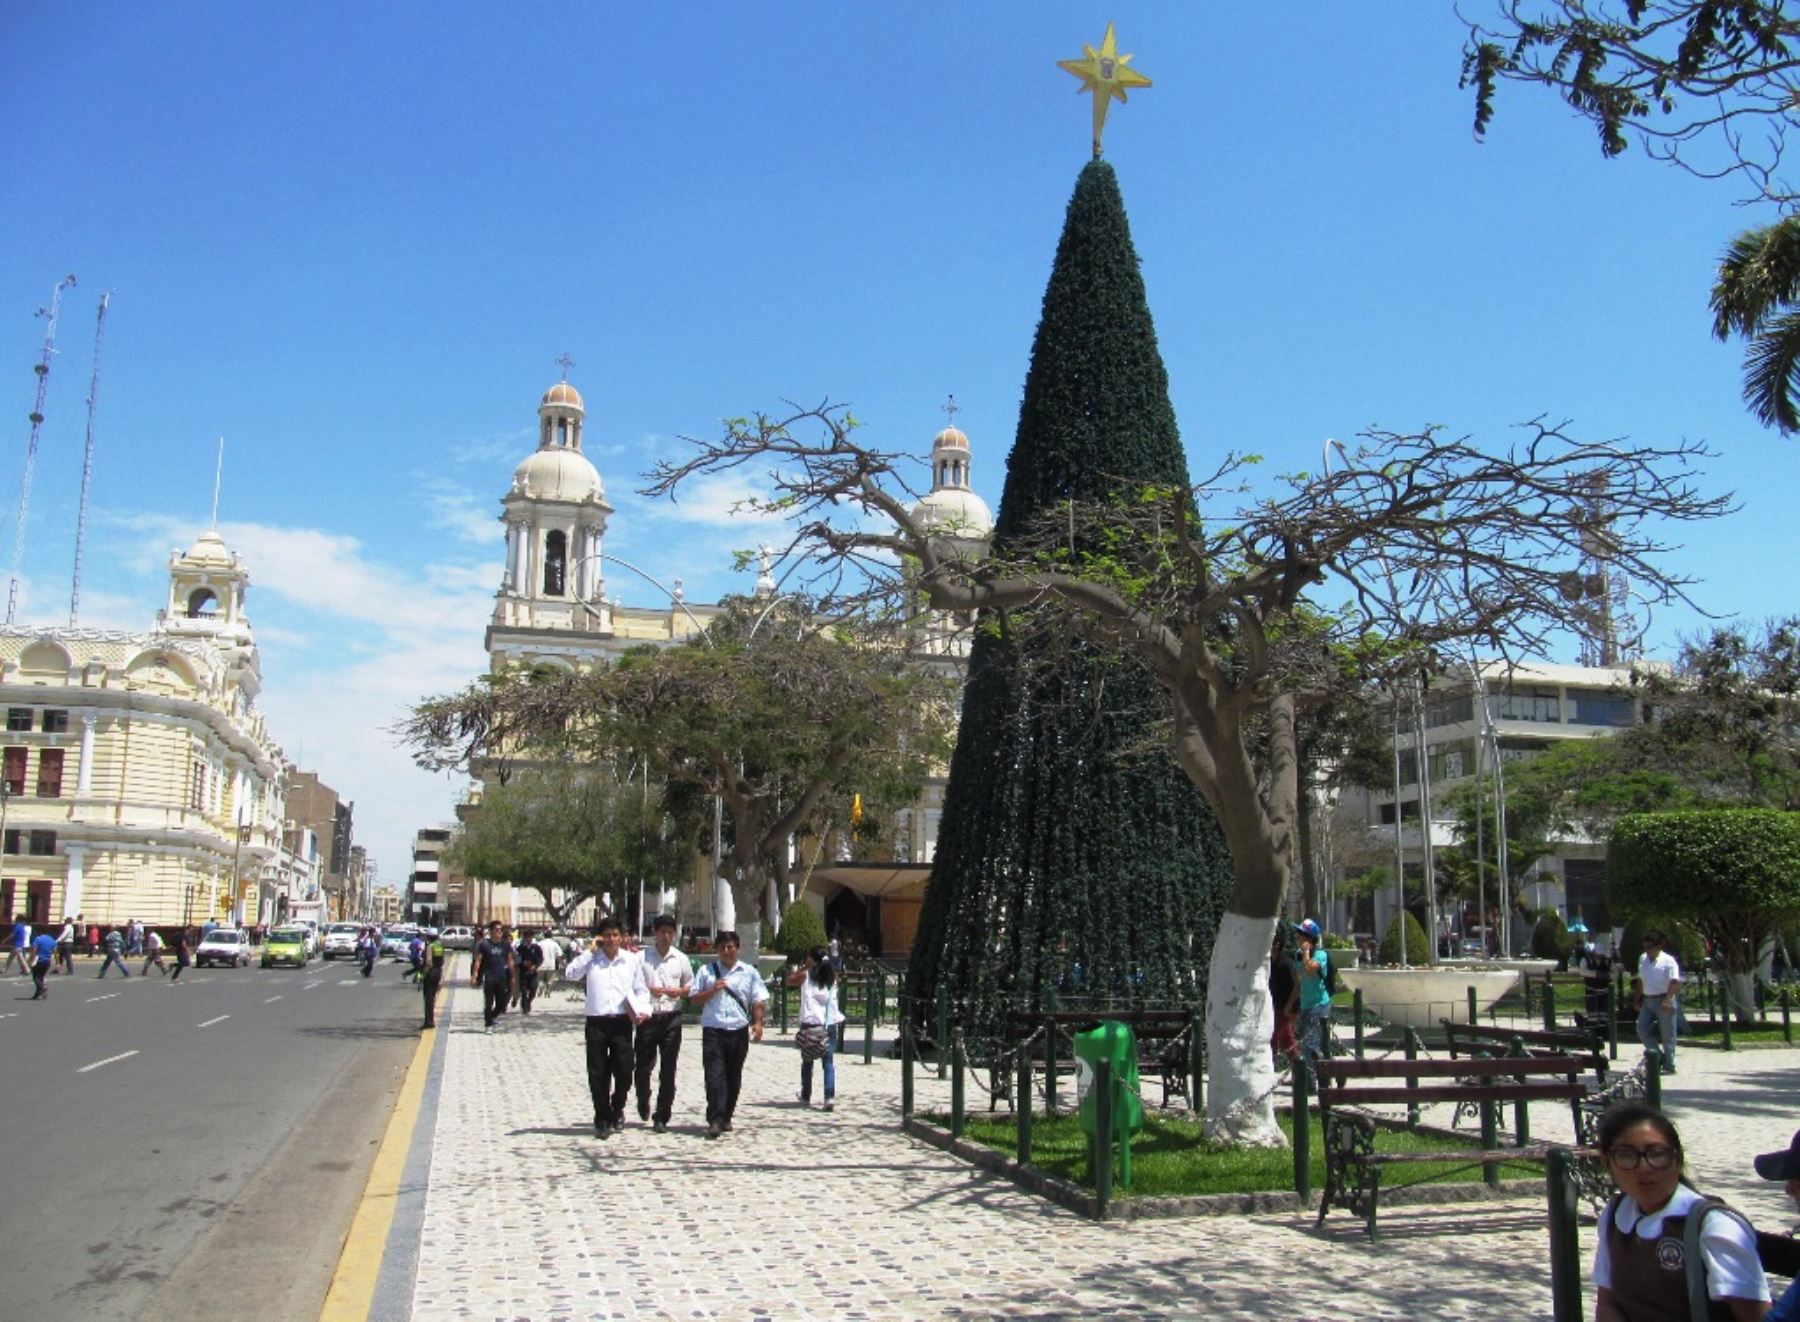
1418, 543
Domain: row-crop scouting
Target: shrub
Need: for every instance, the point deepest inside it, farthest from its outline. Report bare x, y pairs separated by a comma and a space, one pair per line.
1687, 945
1338, 941
801, 930
1418, 949
1550, 939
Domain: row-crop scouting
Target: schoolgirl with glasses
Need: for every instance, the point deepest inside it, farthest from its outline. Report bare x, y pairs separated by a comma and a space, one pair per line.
1650, 1261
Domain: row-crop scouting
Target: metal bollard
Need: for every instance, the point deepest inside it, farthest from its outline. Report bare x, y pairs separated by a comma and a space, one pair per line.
906, 1063
1565, 1248
1472, 1010
1612, 1023
1521, 1109
956, 1086
1412, 1053
1549, 1004
1490, 1139
868, 1022
1022, 1106
1302, 1118
1653, 1077
943, 1030
1100, 1156
1050, 1066
1356, 1008
1787, 1025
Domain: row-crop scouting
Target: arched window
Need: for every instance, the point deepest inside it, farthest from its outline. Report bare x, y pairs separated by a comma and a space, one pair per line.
562, 431
203, 603
555, 559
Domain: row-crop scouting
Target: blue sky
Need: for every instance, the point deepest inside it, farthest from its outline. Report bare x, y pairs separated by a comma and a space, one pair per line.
352, 239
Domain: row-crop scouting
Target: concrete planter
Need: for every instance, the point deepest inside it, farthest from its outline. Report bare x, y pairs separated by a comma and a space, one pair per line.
1420, 997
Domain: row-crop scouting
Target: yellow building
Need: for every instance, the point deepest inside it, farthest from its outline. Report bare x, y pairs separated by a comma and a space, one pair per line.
139, 780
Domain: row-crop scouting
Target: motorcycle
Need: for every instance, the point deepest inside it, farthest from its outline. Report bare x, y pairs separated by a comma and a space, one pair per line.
368, 958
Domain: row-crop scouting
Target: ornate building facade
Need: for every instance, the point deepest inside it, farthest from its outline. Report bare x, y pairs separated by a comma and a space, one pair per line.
139, 779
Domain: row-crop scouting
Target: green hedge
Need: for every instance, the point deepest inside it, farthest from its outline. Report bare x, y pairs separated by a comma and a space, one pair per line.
1418, 948
801, 930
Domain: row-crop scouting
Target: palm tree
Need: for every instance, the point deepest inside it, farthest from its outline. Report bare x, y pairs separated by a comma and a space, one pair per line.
1756, 297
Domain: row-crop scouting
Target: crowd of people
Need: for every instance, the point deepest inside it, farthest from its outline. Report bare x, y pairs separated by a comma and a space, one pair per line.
636, 1000
45, 955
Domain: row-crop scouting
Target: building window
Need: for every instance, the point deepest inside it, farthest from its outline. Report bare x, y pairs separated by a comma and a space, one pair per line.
555, 561
18, 718
1449, 709
10, 844
1540, 705
1516, 752
50, 769
196, 784
1602, 707
56, 722
14, 770
30, 842
1409, 812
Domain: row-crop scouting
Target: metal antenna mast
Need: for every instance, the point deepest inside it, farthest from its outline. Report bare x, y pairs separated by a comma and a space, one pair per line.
31, 449
87, 463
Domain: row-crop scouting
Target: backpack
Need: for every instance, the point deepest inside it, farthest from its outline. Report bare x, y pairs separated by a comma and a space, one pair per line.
1331, 981
1699, 1302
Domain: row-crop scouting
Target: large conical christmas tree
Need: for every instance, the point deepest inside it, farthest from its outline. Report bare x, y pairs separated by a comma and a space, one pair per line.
1073, 854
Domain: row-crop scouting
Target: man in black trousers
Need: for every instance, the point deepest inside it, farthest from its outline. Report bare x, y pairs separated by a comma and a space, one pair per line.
617, 1000
493, 973
668, 973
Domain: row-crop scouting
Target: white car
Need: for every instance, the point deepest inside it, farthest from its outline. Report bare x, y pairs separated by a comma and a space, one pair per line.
458, 938
340, 940
224, 945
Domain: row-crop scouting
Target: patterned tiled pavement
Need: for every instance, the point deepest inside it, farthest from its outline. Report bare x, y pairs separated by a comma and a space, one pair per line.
798, 1213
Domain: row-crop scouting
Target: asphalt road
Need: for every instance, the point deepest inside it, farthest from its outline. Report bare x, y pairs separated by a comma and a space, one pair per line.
198, 1146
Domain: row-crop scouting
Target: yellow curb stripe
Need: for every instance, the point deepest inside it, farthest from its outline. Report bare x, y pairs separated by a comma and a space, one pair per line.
353, 1284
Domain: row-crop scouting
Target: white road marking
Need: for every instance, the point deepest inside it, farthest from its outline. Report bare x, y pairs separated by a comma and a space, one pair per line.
124, 1055
271, 1000
13, 1015
210, 1022
109, 996
309, 986
348, 982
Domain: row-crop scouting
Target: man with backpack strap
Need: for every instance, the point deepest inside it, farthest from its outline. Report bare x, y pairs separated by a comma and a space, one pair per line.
733, 996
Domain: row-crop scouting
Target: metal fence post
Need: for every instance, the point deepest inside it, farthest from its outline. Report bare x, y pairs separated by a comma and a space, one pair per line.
1653, 1077
1356, 1008
956, 1086
1197, 1062
943, 1030
1472, 1010
1521, 1109
1612, 1023
1724, 996
1022, 1107
869, 1021
906, 1062
1412, 1053
1490, 1139
1565, 1248
1101, 1153
1787, 1024
1050, 1066
1549, 1004
1302, 1118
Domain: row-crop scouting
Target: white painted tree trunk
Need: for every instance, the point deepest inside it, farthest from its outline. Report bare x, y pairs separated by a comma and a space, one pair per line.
750, 934
724, 906
1240, 1094
1743, 997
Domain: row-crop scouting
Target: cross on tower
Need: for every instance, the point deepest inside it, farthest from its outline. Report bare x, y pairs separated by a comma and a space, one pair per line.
951, 409
565, 362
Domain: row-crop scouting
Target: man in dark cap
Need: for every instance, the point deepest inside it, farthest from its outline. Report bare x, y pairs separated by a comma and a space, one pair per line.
1784, 1166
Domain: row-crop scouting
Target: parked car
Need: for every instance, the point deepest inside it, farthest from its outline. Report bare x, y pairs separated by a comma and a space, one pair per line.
224, 945
286, 945
458, 938
340, 941
394, 941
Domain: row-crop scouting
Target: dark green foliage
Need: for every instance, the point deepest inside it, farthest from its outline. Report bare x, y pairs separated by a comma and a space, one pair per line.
1071, 856
801, 930
1683, 942
1550, 937
1418, 949
1734, 874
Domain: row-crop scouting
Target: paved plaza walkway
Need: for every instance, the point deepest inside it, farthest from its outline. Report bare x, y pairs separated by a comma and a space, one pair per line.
798, 1213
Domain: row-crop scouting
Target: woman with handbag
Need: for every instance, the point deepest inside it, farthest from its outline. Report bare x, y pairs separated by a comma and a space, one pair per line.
819, 1018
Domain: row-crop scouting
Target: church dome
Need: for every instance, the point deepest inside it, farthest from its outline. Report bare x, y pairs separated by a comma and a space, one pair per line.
558, 474
951, 438
210, 549
957, 511
562, 394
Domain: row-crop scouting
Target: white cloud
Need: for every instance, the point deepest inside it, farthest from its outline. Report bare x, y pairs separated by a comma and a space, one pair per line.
455, 507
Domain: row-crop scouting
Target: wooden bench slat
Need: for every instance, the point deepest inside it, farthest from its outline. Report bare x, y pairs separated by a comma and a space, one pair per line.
1332, 1073
1500, 1092
1579, 1038
1534, 1153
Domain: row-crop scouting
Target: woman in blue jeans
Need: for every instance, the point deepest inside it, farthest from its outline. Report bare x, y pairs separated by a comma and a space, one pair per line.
819, 1020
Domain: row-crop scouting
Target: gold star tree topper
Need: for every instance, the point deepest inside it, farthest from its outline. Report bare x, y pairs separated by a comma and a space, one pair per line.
1106, 74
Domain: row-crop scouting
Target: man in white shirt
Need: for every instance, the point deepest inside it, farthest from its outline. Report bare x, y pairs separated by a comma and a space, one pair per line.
668, 973
65, 947
617, 998
553, 956
733, 995
1658, 989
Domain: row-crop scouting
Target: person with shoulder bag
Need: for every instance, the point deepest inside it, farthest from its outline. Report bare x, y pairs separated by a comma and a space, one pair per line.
819, 1020
732, 998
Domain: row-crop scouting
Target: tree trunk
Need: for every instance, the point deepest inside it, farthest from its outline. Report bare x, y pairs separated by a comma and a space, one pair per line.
1743, 996
1304, 809
1240, 1021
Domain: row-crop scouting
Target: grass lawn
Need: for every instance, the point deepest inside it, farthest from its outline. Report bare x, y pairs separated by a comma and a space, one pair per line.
1172, 1157
1714, 1034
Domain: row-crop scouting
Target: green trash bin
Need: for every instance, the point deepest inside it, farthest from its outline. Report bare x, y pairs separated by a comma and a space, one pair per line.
1116, 1044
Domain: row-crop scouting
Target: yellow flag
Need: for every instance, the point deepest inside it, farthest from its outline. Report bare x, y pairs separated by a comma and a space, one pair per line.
856, 810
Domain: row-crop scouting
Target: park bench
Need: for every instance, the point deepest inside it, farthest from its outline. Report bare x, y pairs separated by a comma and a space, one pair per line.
1481, 1040
1163, 1042
1353, 1169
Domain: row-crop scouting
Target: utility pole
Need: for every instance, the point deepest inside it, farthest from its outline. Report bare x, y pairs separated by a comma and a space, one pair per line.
37, 425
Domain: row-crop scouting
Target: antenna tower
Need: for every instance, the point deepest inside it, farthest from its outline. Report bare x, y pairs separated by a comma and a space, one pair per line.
37, 425
1599, 593
87, 463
